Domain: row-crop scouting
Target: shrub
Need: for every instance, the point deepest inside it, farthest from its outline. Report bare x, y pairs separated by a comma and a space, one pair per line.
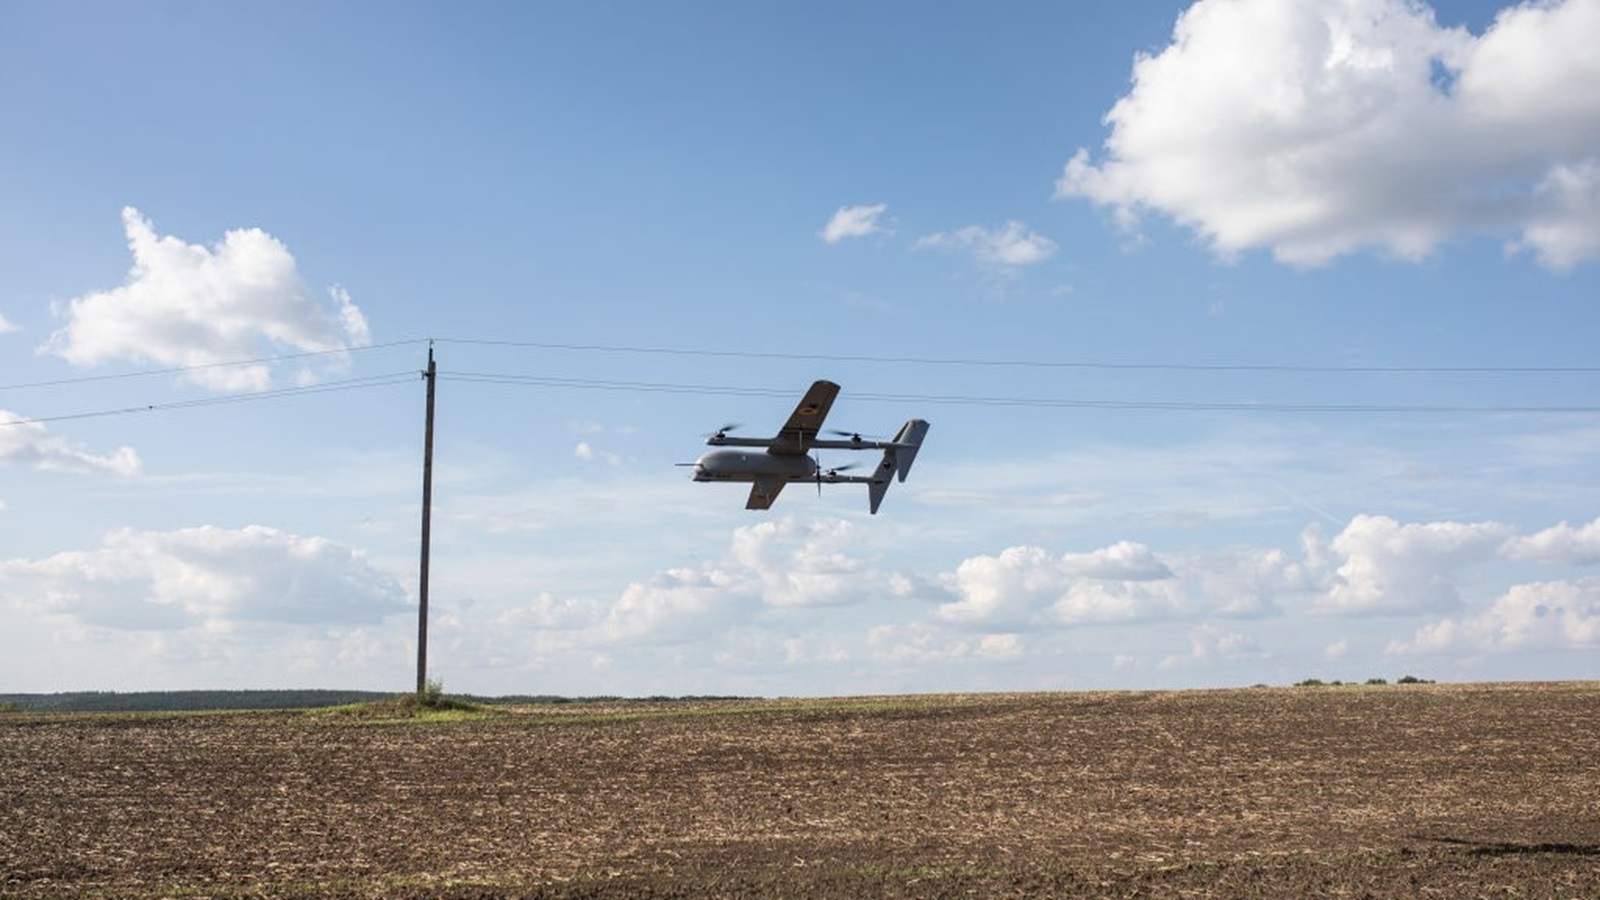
1412, 679
1309, 682
432, 697
1376, 681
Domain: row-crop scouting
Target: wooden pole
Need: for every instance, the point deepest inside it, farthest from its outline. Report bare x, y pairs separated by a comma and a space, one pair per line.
427, 515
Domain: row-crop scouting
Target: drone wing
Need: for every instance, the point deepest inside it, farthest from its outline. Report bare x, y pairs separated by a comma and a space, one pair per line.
795, 438
764, 491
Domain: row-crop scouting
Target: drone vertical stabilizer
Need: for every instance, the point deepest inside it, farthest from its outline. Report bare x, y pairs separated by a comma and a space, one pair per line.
907, 443
897, 459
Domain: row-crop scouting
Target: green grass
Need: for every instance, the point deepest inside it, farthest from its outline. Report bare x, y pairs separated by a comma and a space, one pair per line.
431, 704
400, 709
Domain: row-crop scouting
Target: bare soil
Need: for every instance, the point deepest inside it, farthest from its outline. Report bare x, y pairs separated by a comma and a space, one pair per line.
1436, 790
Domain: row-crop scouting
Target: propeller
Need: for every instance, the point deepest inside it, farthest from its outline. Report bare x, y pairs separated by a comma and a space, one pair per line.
854, 436
722, 432
823, 474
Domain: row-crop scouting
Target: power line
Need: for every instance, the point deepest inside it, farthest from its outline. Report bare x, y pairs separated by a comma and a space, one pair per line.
1035, 402
1024, 364
746, 390
200, 367
710, 353
370, 381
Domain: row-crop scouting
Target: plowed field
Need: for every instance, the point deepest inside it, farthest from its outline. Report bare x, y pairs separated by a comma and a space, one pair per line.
1447, 791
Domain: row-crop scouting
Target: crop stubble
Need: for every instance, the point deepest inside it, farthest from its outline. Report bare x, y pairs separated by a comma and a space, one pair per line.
1475, 790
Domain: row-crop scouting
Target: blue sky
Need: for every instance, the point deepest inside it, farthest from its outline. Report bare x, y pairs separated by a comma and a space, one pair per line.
1256, 337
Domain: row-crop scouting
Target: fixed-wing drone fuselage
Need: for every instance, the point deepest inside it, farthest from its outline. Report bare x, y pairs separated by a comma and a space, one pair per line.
770, 463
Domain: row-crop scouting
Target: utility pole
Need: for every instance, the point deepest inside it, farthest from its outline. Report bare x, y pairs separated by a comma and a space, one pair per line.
427, 515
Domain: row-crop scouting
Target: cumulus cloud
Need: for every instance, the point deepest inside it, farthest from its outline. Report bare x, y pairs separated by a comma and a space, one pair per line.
1123, 561
1012, 244
675, 605
783, 563
1128, 582
1244, 582
1375, 566
186, 305
804, 564
29, 443
919, 643
1390, 568
1554, 615
1208, 643
853, 222
1032, 586
6, 326
205, 578
1560, 544
1317, 128
757, 603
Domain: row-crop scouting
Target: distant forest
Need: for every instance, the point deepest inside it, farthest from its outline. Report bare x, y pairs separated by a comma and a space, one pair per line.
177, 701
195, 701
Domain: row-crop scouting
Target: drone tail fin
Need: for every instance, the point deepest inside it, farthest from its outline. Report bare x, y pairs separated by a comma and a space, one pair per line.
897, 459
907, 443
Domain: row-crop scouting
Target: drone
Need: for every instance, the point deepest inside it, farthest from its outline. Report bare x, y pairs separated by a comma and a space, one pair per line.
788, 456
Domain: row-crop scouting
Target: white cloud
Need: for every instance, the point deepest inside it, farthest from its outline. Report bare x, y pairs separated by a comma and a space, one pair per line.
29, 443
547, 612
1391, 568
676, 605
1124, 560
813, 651
853, 222
587, 452
803, 564
1087, 602
1012, 244
1249, 581
351, 321
794, 592
1560, 544
189, 305
1375, 566
1317, 128
1128, 582
6, 326
205, 578
1208, 644
1554, 615
920, 644
1031, 586
778, 564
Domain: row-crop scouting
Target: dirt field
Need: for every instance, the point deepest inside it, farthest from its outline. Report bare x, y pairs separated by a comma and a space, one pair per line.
1446, 791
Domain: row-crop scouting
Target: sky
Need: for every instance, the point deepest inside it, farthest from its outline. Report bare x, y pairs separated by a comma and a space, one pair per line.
1256, 337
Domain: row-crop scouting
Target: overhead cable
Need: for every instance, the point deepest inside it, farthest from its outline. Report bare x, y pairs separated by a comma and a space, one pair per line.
1036, 402
200, 367
370, 381
1022, 363
709, 353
